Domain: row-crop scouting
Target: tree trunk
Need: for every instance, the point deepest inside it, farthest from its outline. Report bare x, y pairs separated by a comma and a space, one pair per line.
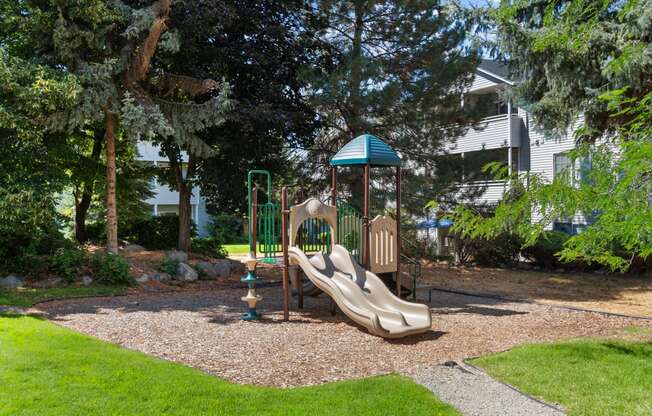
184, 243
111, 209
83, 204
355, 123
184, 186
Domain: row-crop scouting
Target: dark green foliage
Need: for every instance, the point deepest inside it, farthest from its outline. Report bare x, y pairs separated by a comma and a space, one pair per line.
155, 233
393, 69
209, 246
65, 263
227, 229
168, 266
111, 269
502, 250
260, 48
588, 58
545, 250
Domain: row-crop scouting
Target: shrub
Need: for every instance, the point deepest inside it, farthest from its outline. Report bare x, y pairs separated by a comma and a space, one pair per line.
168, 266
544, 250
209, 247
227, 229
156, 233
111, 269
502, 250
66, 263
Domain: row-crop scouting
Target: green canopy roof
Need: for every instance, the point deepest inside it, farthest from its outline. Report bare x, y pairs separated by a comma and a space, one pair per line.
366, 149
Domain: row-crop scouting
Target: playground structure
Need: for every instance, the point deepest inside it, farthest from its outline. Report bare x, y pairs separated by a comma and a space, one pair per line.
349, 249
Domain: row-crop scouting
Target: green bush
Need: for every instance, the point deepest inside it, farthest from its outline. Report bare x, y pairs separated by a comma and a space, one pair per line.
501, 251
209, 246
168, 266
111, 269
544, 250
156, 233
227, 229
66, 262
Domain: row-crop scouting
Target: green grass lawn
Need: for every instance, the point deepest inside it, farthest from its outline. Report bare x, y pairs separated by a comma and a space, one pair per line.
28, 297
587, 377
49, 370
236, 248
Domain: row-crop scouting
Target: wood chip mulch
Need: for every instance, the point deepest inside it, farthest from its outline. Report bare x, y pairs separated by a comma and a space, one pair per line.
202, 329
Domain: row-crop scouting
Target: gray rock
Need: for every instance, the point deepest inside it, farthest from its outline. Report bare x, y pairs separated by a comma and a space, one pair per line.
12, 282
161, 277
177, 255
87, 280
206, 270
237, 267
186, 273
47, 283
143, 278
222, 267
133, 248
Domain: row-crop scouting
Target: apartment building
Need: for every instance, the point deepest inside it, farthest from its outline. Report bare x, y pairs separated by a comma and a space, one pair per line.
166, 200
507, 135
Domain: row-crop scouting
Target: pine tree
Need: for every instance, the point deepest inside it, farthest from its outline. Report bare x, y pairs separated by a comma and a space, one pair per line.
395, 69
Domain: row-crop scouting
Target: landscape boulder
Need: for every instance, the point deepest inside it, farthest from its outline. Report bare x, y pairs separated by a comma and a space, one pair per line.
12, 282
176, 255
144, 278
222, 267
47, 283
185, 273
237, 267
133, 248
87, 280
161, 277
219, 269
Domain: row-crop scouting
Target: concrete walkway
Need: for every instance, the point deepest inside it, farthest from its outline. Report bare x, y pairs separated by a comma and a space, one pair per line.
474, 393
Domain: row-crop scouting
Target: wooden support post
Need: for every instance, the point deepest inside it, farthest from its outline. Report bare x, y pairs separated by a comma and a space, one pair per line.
365, 218
285, 212
334, 202
398, 230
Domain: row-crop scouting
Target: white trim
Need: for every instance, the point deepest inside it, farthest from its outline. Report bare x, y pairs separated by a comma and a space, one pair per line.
491, 74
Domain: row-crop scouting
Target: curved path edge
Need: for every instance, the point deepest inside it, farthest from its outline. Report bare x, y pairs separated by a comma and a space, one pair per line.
474, 393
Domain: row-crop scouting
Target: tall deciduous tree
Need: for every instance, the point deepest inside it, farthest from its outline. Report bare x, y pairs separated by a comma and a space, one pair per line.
587, 58
108, 49
259, 48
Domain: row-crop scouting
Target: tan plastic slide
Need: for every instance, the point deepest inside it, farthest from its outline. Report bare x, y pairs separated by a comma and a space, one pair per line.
361, 295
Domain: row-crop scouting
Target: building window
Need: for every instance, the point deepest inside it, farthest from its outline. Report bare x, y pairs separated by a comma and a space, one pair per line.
474, 163
562, 165
567, 227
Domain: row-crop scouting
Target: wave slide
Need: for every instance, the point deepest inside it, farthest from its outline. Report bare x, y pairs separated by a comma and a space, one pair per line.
361, 295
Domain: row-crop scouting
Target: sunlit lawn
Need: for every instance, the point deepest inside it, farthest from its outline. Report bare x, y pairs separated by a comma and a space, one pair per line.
49, 370
236, 248
587, 377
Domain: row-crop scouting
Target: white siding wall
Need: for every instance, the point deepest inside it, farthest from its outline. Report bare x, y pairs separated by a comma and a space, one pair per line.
543, 147
493, 191
480, 83
492, 133
163, 195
